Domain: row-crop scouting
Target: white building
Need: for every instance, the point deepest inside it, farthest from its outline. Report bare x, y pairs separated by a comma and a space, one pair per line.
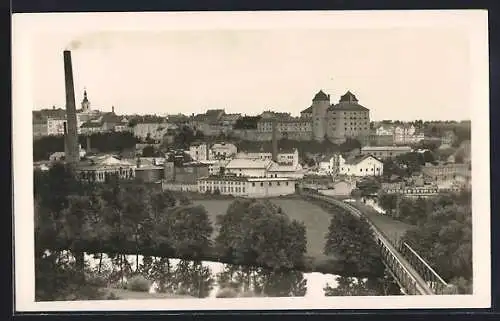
361, 166
290, 158
289, 171
97, 168
329, 165
155, 131
55, 126
214, 166
247, 186
385, 152
248, 167
407, 135
222, 151
384, 131
199, 152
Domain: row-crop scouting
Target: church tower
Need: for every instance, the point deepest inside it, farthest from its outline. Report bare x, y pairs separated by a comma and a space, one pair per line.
320, 104
85, 102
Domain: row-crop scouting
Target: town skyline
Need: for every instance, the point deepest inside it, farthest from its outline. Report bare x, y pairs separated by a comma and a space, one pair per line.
276, 74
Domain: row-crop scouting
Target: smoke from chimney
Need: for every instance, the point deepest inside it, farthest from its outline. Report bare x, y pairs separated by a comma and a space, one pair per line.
275, 140
71, 133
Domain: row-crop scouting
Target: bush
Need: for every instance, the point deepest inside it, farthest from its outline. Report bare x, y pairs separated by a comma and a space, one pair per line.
226, 293
138, 283
249, 294
112, 296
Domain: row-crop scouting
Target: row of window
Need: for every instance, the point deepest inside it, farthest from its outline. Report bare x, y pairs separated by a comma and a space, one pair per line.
224, 183
224, 189
414, 191
366, 169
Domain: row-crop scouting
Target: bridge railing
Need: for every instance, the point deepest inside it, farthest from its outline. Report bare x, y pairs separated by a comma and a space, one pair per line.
430, 276
401, 273
388, 248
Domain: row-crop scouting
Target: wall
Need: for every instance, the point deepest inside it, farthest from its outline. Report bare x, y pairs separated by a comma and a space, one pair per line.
179, 187
367, 167
190, 174
385, 153
249, 172
319, 120
270, 188
225, 187
149, 174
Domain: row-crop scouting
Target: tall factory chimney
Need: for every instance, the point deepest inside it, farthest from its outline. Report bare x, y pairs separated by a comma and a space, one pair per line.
88, 146
275, 140
71, 134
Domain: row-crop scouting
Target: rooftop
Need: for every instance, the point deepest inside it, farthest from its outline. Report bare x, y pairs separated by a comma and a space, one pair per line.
384, 148
358, 159
321, 96
249, 163
307, 110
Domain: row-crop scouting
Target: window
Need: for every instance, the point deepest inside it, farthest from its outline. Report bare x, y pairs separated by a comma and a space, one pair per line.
270, 184
243, 190
286, 183
261, 184
278, 183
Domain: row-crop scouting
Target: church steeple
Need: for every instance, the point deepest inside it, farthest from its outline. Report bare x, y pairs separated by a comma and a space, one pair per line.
85, 101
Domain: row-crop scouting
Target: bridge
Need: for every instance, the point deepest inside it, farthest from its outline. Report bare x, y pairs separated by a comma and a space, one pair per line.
412, 273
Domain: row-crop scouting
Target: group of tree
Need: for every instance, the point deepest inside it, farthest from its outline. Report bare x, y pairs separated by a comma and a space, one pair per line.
114, 218
152, 151
407, 164
101, 142
351, 243
257, 233
442, 234
247, 122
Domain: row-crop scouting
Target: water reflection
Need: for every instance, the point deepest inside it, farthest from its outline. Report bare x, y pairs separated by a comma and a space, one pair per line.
218, 280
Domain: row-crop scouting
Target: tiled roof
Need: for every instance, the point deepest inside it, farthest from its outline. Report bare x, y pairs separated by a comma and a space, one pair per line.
348, 102
384, 148
91, 124
358, 159
248, 163
111, 118
348, 97
321, 96
308, 110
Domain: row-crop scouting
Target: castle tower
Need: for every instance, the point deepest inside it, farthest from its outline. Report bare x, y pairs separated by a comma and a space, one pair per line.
85, 102
320, 104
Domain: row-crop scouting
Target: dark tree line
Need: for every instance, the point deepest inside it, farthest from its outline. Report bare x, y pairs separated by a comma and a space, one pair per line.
102, 142
258, 233
442, 233
350, 242
115, 218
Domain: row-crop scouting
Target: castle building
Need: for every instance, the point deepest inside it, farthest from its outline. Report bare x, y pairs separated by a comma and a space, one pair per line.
338, 122
348, 119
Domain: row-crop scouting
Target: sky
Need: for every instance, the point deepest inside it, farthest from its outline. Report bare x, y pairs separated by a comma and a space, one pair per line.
402, 73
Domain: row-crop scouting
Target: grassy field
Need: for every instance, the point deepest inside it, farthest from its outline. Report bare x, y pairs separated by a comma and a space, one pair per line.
314, 217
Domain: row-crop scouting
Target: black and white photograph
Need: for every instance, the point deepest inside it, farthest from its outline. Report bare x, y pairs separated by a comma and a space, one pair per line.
251, 160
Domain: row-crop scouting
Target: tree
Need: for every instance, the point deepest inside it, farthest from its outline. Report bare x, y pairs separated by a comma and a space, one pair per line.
368, 186
444, 238
190, 230
351, 241
255, 233
150, 151
350, 286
